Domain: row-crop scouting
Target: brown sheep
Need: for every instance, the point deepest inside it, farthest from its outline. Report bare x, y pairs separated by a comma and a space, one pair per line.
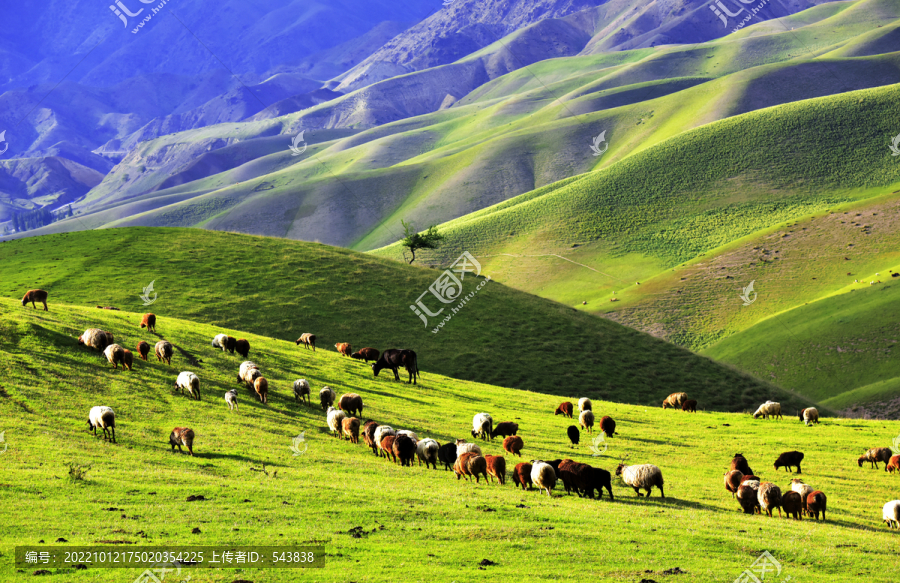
164, 351
351, 403
35, 295
565, 409
143, 349
405, 449
689, 406
127, 359
608, 426
513, 444
148, 321
747, 497
675, 400
350, 427
344, 348
182, 436
387, 446
230, 344
815, 503
751, 477
369, 435
733, 481
789, 459
505, 428
522, 475
261, 386
115, 354
242, 347
496, 468
740, 463
792, 504
366, 354
875, 455
893, 464
308, 340
471, 464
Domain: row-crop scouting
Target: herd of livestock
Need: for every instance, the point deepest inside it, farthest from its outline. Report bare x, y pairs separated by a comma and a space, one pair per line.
466, 459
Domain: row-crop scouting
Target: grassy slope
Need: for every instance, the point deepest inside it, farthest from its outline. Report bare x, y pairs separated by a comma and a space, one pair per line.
49, 384
284, 288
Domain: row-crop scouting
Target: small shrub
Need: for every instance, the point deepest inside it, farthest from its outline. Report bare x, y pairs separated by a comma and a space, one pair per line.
78, 472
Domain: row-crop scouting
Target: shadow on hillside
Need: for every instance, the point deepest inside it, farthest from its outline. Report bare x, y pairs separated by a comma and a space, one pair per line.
669, 501
657, 441
210, 455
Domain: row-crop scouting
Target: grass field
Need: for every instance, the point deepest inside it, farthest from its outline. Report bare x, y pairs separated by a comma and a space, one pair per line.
420, 525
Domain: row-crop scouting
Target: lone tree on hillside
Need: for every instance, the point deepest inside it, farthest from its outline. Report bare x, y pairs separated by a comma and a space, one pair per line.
412, 240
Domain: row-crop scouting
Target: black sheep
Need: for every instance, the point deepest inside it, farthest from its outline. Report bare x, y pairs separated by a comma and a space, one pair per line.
574, 434
447, 455
788, 459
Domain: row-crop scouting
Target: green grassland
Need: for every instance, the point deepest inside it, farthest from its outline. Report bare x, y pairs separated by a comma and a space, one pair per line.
420, 525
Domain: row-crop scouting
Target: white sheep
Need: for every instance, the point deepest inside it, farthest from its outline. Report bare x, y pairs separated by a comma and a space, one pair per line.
409, 434
769, 497
804, 490
115, 354
335, 417
188, 380
584, 404
246, 373
891, 513
462, 446
96, 339
642, 477
809, 415
381, 432
427, 451
301, 389
231, 399
326, 398
482, 426
543, 476
220, 341
768, 409
104, 418
586, 420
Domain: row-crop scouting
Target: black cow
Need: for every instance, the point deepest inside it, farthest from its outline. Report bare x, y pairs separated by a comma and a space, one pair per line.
393, 359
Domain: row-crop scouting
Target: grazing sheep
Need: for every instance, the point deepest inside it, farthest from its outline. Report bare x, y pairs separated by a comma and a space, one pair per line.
386, 445
769, 496
127, 359
608, 426
815, 503
482, 426
308, 340
462, 446
584, 404
35, 295
96, 339
109, 308
143, 349
789, 459
366, 354
875, 455
543, 475
182, 436
447, 455
802, 489
792, 504
242, 347
597, 479
891, 514
350, 427
380, 433
404, 448
326, 398
564, 409
189, 381
513, 445
569, 471
369, 435
248, 372
148, 321
344, 348
410, 434
505, 429
219, 341
675, 400
586, 420
301, 389
809, 415
522, 475
893, 464
261, 386
335, 417
115, 354
164, 350
496, 468
642, 477
231, 399
104, 418
574, 434
733, 481
427, 452
747, 496
769, 409
740, 463
689, 406
471, 464
351, 403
